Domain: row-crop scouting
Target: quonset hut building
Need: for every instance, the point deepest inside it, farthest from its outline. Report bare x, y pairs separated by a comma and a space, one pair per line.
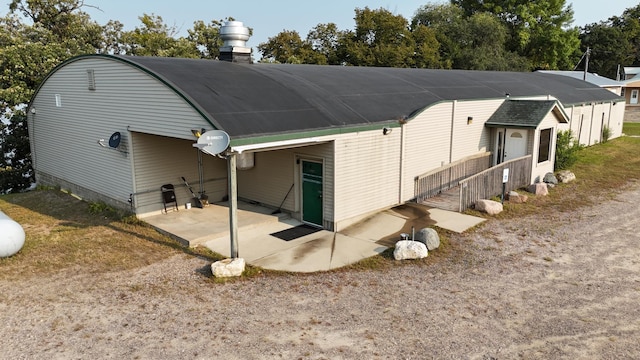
332, 144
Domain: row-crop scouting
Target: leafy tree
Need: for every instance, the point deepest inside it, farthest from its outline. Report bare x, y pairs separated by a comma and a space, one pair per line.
427, 48
540, 30
609, 48
447, 22
379, 39
58, 31
155, 38
476, 42
613, 42
206, 38
325, 39
483, 46
286, 47
15, 170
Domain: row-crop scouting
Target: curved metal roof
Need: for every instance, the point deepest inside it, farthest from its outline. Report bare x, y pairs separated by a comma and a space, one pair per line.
254, 100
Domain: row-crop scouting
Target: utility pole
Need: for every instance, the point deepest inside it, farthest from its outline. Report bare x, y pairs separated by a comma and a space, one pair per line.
586, 63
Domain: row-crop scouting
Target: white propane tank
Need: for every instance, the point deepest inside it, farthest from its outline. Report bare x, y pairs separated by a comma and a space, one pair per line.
11, 236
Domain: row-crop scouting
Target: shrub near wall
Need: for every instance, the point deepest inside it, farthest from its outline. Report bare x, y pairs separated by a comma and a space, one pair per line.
567, 148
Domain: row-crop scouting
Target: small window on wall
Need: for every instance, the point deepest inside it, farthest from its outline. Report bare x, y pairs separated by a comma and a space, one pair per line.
544, 148
91, 79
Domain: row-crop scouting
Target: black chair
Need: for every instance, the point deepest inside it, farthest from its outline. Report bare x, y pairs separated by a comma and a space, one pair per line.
168, 196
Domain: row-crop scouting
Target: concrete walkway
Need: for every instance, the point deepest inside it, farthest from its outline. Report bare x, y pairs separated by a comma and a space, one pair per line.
319, 251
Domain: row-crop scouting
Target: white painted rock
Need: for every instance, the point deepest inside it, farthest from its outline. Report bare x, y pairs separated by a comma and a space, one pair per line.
539, 189
228, 267
407, 249
429, 237
489, 206
565, 176
11, 236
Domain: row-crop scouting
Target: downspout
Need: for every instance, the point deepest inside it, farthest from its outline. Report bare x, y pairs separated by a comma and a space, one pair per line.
573, 110
453, 117
31, 112
609, 119
504, 145
401, 187
132, 200
593, 108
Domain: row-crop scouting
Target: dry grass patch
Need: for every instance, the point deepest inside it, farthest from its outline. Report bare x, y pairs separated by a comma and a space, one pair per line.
62, 233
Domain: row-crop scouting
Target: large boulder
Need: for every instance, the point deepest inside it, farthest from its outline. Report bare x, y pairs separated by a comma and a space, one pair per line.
228, 267
565, 176
489, 206
550, 178
539, 189
429, 237
517, 198
407, 249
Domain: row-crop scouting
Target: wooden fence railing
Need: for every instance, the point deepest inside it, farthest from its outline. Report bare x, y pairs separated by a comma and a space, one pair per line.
488, 183
448, 177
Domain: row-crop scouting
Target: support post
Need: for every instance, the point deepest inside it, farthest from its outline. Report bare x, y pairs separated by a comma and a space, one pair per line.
233, 204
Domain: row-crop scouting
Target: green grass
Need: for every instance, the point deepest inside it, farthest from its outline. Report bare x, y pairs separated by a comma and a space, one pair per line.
602, 171
631, 128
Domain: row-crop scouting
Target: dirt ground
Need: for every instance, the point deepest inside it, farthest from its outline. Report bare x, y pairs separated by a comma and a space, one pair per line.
563, 285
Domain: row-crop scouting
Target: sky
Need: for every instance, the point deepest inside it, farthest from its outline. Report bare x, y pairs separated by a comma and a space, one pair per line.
268, 18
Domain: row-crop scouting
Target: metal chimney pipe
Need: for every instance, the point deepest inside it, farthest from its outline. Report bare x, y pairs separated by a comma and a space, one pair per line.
235, 36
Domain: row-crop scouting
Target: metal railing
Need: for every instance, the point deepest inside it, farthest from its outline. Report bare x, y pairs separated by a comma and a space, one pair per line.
447, 177
488, 183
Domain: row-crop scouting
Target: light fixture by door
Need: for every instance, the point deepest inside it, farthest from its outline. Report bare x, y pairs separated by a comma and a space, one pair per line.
386, 131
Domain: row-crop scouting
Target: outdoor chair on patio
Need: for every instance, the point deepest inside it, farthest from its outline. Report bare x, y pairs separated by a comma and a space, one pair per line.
168, 196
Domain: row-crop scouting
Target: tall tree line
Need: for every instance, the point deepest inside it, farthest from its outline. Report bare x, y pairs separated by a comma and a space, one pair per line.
516, 35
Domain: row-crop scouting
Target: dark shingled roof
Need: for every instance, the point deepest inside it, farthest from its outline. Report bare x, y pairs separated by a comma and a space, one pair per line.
520, 113
274, 99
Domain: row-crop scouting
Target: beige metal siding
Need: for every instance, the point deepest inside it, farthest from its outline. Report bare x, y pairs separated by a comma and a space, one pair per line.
367, 173
472, 138
161, 160
616, 119
270, 179
426, 145
125, 98
276, 171
585, 121
538, 170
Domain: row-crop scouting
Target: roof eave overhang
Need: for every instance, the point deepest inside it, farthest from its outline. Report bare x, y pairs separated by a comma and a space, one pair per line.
509, 126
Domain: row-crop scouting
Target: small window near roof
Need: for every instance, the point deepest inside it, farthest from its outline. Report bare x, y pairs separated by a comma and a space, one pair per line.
544, 148
92, 79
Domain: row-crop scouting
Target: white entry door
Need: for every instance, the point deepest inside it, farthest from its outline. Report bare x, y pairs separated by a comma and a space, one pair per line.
634, 97
515, 144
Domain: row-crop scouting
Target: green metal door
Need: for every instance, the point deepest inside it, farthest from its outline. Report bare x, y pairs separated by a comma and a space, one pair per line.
312, 192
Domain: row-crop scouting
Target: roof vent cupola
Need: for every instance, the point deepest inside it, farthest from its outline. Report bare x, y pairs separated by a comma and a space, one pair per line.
235, 36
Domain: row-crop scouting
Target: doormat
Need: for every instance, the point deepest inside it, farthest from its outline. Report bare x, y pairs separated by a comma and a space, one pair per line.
295, 232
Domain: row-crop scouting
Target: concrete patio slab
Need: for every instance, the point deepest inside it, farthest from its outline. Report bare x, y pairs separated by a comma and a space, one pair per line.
319, 251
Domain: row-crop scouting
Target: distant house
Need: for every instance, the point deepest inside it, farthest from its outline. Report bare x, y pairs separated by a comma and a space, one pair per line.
332, 144
631, 86
595, 79
631, 72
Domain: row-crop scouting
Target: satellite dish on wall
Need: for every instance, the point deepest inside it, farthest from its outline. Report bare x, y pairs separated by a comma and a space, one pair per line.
114, 140
213, 142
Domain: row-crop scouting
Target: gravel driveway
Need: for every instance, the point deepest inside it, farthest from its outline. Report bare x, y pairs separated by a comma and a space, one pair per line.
557, 286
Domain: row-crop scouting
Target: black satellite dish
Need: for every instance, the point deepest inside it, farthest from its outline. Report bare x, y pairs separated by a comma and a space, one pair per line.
114, 140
